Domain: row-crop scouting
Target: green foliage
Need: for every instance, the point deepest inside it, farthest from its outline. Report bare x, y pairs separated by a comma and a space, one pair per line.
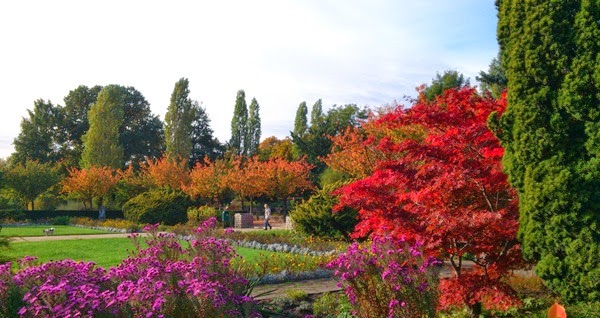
203, 142
331, 305
549, 50
159, 205
441, 83
253, 133
316, 216
300, 122
202, 213
39, 137
178, 122
331, 176
31, 179
101, 142
494, 81
61, 220
239, 124
316, 142
75, 121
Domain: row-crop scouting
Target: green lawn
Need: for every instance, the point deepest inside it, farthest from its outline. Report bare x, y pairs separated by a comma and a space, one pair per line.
38, 230
107, 252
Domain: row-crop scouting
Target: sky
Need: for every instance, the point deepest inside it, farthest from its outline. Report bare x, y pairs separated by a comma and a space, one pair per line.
282, 52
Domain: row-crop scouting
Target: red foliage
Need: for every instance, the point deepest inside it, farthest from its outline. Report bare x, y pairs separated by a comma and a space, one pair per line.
446, 189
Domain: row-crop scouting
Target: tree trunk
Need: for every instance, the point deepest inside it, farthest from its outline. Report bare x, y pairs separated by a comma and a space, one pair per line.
475, 310
284, 212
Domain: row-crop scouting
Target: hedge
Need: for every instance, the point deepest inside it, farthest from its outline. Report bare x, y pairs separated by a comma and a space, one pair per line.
20, 215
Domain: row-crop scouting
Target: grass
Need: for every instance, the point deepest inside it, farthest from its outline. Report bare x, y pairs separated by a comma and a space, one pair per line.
106, 252
37, 230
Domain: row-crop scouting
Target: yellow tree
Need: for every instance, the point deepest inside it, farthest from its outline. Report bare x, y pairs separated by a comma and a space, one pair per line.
89, 183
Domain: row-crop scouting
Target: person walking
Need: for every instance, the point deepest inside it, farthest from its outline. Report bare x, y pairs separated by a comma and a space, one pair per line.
267, 216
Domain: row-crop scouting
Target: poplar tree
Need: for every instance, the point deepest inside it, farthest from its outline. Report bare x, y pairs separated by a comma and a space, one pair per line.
550, 52
316, 113
101, 145
239, 124
178, 122
254, 129
300, 122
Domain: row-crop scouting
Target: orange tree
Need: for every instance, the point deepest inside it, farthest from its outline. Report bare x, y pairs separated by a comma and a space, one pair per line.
282, 179
208, 181
355, 152
165, 172
246, 179
89, 183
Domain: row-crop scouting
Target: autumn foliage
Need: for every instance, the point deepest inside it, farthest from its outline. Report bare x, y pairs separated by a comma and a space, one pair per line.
165, 172
208, 180
446, 188
89, 183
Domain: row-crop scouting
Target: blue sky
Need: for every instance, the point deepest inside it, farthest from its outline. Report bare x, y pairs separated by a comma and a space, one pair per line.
283, 52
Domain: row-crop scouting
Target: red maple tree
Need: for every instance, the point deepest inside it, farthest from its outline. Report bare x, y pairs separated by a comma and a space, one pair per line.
447, 190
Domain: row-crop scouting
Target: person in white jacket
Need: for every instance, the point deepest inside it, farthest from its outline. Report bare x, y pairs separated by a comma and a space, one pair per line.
267, 216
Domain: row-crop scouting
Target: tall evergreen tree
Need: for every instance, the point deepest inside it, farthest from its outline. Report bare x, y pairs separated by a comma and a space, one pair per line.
300, 122
550, 51
101, 146
254, 131
39, 137
178, 122
239, 124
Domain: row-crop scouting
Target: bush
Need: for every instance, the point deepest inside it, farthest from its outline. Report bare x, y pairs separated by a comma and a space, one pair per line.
158, 206
202, 213
388, 279
331, 305
316, 216
61, 220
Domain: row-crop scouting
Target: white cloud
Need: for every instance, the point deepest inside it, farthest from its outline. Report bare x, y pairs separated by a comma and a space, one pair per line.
281, 52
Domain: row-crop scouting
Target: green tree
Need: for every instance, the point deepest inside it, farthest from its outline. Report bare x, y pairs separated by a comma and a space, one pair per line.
75, 122
494, 81
204, 145
316, 143
441, 83
300, 122
316, 113
178, 122
141, 133
39, 136
239, 124
254, 131
101, 146
31, 179
550, 51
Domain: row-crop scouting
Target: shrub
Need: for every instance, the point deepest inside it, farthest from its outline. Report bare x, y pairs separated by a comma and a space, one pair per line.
61, 220
316, 216
388, 279
331, 305
202, 213
160, 205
